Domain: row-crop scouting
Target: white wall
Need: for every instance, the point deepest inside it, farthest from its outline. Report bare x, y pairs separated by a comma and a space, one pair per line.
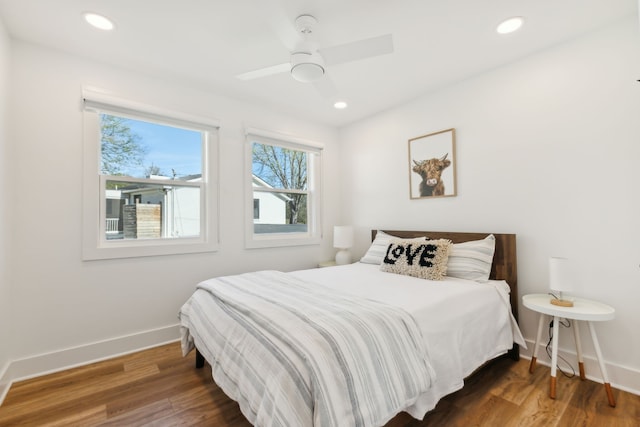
60, 302
548, 149
5, 307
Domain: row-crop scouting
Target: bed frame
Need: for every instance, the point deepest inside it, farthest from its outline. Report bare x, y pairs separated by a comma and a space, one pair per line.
504, 265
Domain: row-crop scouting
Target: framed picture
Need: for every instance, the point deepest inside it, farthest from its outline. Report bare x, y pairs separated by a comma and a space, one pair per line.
432, 165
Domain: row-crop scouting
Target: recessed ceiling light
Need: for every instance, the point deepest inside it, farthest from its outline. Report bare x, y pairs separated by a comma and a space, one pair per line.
98, 21
510, 25
340, 105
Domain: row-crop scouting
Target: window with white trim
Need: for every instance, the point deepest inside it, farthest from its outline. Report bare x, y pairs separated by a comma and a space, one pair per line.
282, 190
150, 184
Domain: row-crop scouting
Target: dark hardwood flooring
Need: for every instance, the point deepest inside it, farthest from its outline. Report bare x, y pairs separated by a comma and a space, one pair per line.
158, 387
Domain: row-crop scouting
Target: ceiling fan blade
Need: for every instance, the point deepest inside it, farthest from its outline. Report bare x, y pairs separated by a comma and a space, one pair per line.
354, 51
264, 72
326, 88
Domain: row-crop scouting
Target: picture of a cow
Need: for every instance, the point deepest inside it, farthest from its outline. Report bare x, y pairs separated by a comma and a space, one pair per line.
431, 171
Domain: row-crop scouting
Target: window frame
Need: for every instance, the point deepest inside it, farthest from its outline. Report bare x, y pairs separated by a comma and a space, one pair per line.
313, 235
95, 244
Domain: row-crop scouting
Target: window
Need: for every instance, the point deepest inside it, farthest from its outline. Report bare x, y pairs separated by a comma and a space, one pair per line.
150, 180
283, 190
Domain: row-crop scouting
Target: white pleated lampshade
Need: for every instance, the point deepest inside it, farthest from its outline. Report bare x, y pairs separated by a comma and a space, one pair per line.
560, 277
342, 236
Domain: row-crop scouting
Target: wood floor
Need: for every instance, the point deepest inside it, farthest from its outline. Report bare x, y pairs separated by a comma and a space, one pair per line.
159, 387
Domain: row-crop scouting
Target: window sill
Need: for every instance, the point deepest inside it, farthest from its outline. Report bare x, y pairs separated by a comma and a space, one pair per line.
142, 248
278, 241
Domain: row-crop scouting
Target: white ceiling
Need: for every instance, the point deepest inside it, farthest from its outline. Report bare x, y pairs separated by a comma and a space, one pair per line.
206, 43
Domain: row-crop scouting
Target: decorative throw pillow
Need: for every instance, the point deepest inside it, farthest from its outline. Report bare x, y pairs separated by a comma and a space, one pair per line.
472, 260
424, 259
378, 248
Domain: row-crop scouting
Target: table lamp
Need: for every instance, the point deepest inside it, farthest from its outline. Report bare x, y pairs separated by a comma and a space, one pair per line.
343, 240
560, 280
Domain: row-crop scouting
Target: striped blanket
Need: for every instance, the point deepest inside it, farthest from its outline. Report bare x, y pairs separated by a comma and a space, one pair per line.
293, 355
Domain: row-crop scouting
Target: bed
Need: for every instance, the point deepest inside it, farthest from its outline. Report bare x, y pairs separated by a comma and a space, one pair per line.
354, 345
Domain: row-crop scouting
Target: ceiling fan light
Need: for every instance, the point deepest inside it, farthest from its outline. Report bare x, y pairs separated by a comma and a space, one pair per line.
307, 67
306, 73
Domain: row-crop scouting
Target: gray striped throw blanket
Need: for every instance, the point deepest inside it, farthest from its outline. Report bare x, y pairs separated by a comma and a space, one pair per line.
297, 354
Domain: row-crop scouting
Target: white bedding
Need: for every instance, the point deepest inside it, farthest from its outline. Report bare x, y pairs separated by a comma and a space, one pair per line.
464, 323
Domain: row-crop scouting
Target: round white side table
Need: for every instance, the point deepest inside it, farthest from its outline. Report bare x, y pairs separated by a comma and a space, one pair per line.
582, 310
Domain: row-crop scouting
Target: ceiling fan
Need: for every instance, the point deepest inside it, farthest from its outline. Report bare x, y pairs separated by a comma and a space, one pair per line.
308, 62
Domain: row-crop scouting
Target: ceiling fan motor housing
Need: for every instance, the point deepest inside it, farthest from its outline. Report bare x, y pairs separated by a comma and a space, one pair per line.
307, 66
305, 24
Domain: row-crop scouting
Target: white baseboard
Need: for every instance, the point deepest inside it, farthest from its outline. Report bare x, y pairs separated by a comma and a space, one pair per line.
620, 377
47, 363
4, 384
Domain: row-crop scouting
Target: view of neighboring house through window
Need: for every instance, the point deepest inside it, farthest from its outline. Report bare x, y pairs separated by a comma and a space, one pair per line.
156, 186
152, 174
285, 191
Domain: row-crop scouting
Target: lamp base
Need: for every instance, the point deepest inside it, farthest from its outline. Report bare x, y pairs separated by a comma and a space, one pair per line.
561, 302
343, 257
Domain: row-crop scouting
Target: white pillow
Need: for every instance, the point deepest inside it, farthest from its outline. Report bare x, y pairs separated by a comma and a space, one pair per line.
378, 248
472, 260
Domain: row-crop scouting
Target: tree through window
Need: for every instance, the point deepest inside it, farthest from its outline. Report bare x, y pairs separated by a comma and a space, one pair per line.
285, 186
285, 169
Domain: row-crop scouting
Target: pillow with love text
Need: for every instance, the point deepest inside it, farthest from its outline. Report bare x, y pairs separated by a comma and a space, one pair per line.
426, 260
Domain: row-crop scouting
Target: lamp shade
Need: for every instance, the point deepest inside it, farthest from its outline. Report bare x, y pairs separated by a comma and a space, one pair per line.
560, 277
342, 236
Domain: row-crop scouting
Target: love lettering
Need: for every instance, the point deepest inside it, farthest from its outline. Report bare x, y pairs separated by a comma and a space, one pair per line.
423, 252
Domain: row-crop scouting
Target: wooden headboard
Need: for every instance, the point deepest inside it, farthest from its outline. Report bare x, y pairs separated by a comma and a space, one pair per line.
505, 266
